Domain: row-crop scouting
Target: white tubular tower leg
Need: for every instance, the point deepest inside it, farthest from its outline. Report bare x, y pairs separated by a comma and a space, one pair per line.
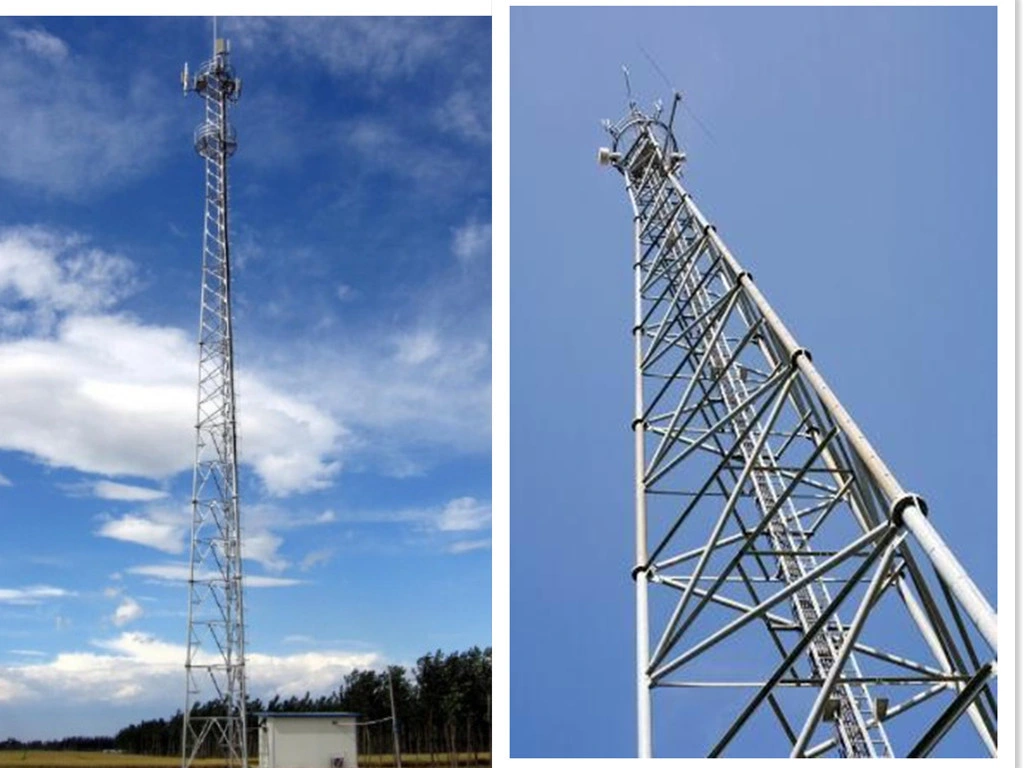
643, 690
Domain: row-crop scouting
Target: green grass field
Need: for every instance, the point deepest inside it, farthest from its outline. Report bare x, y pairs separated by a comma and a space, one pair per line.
17, 758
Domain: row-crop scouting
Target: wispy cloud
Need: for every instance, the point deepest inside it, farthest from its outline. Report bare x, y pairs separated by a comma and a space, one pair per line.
405, 393
31, 595
385, 146
466, 113
444, 528
76, 134
465, 514
41, 43
45, 275
165, 529
178, 572
105, 489
315, 558
461, 547
128, 611
136, 667
471, 242
381, 48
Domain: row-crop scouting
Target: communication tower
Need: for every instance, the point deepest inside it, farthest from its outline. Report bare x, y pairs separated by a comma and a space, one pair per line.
783, 573
215, 660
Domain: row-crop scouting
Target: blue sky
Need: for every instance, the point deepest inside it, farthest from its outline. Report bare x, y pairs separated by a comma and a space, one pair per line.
361, 225
847, 156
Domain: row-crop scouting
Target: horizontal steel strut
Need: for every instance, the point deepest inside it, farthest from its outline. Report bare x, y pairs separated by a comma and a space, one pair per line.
714, 362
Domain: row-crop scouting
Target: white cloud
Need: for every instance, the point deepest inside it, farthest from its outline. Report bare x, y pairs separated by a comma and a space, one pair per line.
287, 441
10, 690
126, 612
105, 489
439, 528
472, 242
136, 667
387, 147
4, 481
32, 595
459, 547
40, 42
346, 292
381, 48
44, 274
467, 114
315, 558
263, 548
76, 134
416, 347
167, 528
106, 396
109, 395
174, 572
464, 514
461, 514
430, 389
159, 528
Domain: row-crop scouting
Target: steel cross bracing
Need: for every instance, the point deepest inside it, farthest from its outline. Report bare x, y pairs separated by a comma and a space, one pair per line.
772, 541
215, 661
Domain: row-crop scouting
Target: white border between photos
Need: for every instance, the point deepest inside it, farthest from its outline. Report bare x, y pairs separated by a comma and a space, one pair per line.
500, 387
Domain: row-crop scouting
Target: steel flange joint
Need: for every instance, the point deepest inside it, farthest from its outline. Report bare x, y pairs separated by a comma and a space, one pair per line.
638, 569
899, 506
794, 358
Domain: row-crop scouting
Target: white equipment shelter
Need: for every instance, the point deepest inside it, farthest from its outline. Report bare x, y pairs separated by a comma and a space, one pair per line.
308, 740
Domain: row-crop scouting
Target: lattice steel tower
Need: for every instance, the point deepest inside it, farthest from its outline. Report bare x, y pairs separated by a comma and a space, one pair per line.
783, 573
215, 660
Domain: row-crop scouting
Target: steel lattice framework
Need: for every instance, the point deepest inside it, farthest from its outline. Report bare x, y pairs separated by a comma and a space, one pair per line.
771, 540
215, 661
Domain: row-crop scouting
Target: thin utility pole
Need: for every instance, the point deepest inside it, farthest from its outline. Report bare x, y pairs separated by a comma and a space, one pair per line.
394, 722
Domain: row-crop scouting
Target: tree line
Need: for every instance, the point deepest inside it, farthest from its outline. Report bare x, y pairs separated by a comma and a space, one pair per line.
443, 707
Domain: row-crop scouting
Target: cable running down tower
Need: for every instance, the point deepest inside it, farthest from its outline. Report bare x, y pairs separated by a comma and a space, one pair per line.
215, 660
782, 572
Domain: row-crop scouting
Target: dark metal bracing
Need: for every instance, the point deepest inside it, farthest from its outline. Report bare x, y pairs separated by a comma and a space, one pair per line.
778, 571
